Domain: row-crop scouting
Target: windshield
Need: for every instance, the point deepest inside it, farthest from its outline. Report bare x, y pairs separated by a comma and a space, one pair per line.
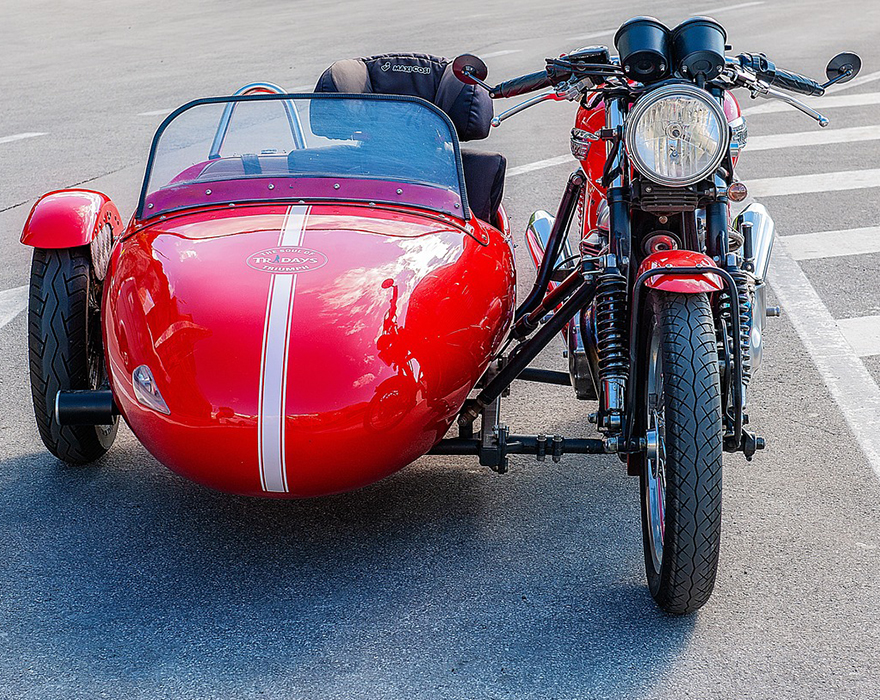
271, 148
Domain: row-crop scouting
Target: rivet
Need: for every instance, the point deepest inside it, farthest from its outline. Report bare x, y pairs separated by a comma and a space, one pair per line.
399, 191
150, 206
207, 191
271, 186
232, 204
372, 204
457, 205
336, 186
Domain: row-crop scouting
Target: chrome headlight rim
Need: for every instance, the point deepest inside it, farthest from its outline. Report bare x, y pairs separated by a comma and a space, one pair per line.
652, 98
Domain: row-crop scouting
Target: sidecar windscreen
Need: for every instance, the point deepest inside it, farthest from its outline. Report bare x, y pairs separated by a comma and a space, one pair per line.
276, 148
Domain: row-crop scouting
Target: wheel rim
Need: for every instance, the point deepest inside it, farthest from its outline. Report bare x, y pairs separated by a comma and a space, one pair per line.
655, 464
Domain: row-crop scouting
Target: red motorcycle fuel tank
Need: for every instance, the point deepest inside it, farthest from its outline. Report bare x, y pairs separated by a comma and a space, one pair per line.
301, 350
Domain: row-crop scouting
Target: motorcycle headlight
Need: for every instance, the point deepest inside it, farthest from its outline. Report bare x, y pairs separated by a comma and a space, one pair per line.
677, 135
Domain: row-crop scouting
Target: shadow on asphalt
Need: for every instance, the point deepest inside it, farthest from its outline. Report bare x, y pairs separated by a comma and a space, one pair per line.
443, 580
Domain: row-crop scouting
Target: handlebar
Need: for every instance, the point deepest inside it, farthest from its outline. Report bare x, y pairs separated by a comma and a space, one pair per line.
521, 85
767, 71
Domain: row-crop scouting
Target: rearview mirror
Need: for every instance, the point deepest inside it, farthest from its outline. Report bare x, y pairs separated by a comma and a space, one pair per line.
469, 69
842, 64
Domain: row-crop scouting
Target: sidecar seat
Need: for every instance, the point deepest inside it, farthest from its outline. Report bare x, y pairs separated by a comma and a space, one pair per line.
431, 78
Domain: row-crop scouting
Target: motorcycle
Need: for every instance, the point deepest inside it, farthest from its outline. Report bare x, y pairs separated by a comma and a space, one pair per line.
314, 288
663, 304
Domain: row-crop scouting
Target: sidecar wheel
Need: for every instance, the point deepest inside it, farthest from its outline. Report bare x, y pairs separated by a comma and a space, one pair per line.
65, 348
681, 484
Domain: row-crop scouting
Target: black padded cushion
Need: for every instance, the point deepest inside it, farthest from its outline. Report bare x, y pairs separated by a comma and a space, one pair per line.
419, 75
484, 179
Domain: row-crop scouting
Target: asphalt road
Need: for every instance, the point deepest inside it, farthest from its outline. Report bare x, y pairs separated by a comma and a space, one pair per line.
445, 580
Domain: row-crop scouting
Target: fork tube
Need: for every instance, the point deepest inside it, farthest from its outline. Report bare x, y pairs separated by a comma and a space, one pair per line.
618, 207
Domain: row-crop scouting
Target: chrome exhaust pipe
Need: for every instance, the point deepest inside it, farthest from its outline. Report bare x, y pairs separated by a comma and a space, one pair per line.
538, 234
758, 232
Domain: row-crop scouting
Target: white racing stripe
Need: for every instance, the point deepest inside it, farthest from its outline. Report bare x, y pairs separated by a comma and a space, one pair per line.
832, 244
863, 334
12, 303
820, 182
273, 364
21, 137
850, 384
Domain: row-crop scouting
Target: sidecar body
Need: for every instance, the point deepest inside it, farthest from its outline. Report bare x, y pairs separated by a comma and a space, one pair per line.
303, 298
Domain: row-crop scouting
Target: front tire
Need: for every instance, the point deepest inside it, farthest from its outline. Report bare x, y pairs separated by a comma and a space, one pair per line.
681, 484
65, 349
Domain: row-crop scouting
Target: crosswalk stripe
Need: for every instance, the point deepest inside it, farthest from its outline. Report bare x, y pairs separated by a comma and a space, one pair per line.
816, 137
863, 334
833, 244
12, 303
540, 165
862, 99
819, 182
21, 137
849, 382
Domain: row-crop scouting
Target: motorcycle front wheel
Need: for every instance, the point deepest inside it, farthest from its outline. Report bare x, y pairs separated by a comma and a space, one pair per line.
681, 474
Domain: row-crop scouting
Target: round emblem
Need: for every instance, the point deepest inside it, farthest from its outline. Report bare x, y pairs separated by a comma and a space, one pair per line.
288, 260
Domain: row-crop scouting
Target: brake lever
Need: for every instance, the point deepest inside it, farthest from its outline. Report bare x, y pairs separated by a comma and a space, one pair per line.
565, 91
762, 89
758, 88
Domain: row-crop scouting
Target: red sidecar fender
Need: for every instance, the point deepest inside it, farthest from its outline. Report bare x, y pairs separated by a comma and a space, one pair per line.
69, 218
681, 283
302, 350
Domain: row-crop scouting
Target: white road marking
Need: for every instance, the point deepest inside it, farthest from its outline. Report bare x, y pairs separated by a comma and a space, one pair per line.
816, 137
540, 165
756, 143
156, 113
850, 384
12, 303
820, 182
21, 137
832, 244
820, 103
855, 82
505, 52
709, 11
863, 334
592, 35
726, 8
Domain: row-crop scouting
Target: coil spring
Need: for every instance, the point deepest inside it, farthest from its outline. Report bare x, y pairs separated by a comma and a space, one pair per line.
744, 304
611, 330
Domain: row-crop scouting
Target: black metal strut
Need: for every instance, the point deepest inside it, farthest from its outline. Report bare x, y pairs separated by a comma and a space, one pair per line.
526, 352
567, 207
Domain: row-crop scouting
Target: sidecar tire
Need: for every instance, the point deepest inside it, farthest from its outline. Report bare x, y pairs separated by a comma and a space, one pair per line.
691, 405
65, 349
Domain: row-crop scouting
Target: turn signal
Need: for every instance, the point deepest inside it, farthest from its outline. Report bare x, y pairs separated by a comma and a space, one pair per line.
737, 192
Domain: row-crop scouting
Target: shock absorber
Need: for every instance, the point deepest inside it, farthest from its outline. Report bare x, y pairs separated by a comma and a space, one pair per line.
613, 348
744, 308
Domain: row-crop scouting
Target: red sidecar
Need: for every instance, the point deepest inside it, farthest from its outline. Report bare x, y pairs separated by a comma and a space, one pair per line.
300, 304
